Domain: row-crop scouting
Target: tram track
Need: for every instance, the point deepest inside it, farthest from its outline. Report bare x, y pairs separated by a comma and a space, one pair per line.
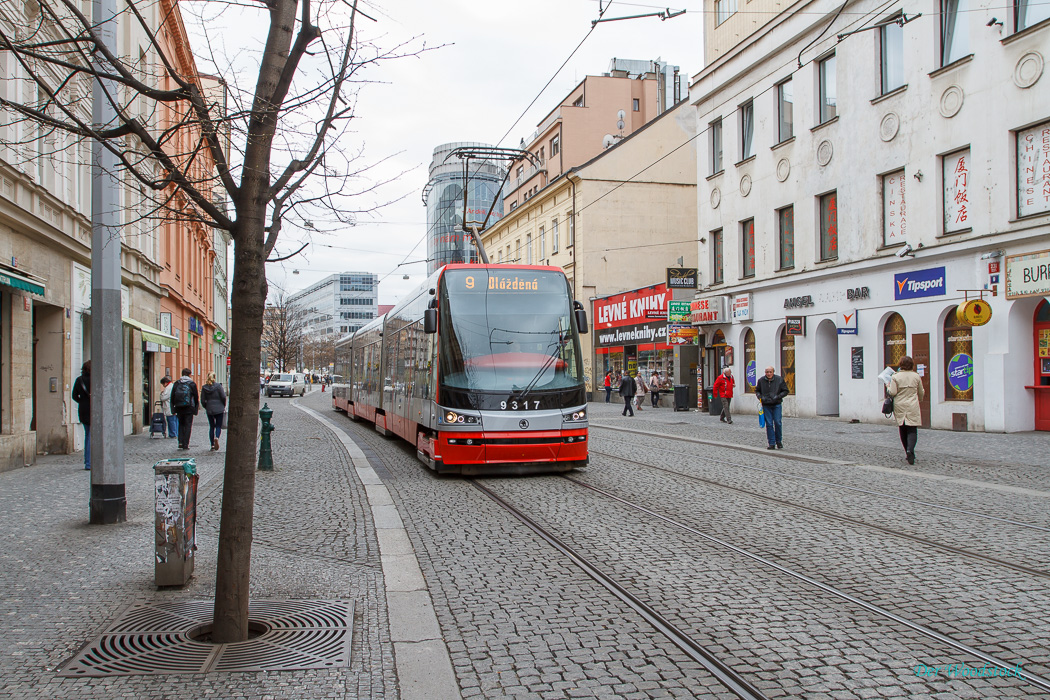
735, 682
841, 518
824, 482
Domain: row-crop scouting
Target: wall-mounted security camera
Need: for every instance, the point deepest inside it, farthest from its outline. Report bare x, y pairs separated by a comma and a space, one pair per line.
905, 251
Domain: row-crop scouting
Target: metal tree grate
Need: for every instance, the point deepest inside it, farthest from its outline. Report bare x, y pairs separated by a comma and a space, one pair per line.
155, 639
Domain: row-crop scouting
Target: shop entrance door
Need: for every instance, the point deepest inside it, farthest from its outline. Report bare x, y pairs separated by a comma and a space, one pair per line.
920, 352
827, 347
1041, 385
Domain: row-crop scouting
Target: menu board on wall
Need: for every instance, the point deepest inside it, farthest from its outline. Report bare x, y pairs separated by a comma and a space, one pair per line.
856, 360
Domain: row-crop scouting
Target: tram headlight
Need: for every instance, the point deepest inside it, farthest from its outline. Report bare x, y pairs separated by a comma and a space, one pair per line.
452, 417
575, 416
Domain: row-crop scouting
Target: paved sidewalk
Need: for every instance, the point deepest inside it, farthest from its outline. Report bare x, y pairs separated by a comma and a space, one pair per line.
315, 537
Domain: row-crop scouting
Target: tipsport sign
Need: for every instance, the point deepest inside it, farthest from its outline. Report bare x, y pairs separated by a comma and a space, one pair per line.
931, 282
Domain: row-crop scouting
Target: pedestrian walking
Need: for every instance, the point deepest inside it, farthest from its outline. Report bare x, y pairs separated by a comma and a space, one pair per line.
627, 391
608, 387
165, 407
641, 390
771, 390
906, 389
185, 401
213, 398
654, 388
82, 395
724, 386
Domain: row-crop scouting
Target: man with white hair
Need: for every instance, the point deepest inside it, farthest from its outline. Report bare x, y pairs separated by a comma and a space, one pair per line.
771, 390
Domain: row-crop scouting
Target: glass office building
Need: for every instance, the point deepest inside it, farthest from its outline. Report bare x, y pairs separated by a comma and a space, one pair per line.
447, 242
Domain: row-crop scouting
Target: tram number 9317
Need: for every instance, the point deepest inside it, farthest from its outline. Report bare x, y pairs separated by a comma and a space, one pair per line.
517, 405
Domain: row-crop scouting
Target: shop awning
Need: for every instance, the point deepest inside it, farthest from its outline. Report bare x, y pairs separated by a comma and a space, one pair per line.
154, 335
9, 278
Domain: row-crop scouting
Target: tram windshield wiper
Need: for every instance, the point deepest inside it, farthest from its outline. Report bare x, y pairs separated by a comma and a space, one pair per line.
552, 355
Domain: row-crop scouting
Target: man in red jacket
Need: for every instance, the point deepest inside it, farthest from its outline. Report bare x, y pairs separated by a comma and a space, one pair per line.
724, 390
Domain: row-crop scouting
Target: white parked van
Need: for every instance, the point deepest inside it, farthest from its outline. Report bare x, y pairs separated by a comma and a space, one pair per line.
286, 385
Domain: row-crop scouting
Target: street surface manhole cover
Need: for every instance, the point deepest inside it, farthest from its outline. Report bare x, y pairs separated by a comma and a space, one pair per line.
155, 639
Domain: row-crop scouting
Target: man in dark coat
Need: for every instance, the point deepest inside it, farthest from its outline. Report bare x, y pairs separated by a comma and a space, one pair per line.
82, 395
771, 390
185, 407
627, 391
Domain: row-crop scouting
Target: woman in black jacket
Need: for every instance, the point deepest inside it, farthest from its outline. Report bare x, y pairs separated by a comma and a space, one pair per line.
213, 398
82, 395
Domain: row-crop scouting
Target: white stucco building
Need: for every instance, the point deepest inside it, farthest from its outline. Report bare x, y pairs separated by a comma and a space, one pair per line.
339, 304
860, 174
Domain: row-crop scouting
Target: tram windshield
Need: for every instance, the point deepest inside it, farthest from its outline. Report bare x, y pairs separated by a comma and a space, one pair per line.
508, 330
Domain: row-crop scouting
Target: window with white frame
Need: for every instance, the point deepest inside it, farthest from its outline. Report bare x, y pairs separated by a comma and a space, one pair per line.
955, 33
528, 249
891, 54
956, 172
554, 236
829, 226
827, 93
1030, 12
747, 130
785, 111
543, 244
747, 244
724, 9
572, 228
715, 131
894, 210
517, 250
1033, 170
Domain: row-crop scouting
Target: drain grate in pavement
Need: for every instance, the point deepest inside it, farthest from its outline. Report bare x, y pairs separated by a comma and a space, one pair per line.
155, 639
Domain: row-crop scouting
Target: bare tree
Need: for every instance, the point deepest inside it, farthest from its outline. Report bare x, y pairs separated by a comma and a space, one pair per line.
284, 333
319, 351
245, 159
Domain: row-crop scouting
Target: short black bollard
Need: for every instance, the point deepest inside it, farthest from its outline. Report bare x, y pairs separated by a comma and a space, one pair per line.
265, 452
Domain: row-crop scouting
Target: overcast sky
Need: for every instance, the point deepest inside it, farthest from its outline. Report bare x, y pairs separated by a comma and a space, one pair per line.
494, 57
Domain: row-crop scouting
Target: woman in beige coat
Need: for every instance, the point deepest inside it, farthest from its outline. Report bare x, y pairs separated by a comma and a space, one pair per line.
906, 389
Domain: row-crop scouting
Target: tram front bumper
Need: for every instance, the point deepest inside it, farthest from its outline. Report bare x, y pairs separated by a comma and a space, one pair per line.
512, 448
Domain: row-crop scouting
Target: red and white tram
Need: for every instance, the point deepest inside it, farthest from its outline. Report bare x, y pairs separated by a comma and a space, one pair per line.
480, 369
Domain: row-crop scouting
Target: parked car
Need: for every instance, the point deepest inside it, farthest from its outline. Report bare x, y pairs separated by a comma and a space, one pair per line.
286, 385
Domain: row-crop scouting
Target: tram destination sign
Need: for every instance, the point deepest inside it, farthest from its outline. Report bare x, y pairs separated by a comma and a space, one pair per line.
1028, 275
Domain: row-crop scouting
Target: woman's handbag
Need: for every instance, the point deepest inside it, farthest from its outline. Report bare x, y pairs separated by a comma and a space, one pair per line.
887, 406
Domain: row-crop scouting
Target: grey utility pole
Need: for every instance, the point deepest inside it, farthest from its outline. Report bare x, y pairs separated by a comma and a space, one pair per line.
108, 501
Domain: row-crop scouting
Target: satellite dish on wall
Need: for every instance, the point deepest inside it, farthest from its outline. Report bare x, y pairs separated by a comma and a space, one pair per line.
621, 114
608, 140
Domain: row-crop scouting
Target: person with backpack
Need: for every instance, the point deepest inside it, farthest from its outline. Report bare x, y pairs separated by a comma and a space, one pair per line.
82, 395
185, 401
165, 406
213, 396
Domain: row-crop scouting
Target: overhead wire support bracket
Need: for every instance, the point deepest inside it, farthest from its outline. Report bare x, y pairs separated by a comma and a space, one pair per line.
899, 21
663, 15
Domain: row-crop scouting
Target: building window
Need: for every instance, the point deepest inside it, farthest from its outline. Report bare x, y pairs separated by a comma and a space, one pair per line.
554, 236
955, 37
517, 251
827, 93
785, 112
636, 104
528, 249
958, 359
747, 239
715, 129
716, 257
891, 44
543, 244
542, 154
521, 174
1029, 12
956, 191
894, 211
578, 102
500, 251
724, 9
555, 145
787, 359
829, 227
747, 130
894, 341
786, 234
1033, 170
572, 229
750, 362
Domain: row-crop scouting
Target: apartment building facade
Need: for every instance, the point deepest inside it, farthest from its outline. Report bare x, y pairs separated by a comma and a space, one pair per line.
339, 304
863, 174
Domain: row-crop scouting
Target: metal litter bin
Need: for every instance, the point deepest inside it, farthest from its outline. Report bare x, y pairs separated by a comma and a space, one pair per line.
681, 397
176, 520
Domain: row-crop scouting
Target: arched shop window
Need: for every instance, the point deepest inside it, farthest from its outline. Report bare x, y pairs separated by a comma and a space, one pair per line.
1042, 339
718, 342
894, 341
787, 359
958, 359
750, 363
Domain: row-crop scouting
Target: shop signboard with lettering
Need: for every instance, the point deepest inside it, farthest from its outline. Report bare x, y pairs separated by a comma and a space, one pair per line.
681, 277
678, 312
917, 284
1028, 275
846, 322
681, 334
742, 308
632, 318
707, 311
795, 325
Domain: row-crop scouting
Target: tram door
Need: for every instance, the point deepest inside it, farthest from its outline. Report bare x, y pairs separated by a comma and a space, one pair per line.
920, 349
